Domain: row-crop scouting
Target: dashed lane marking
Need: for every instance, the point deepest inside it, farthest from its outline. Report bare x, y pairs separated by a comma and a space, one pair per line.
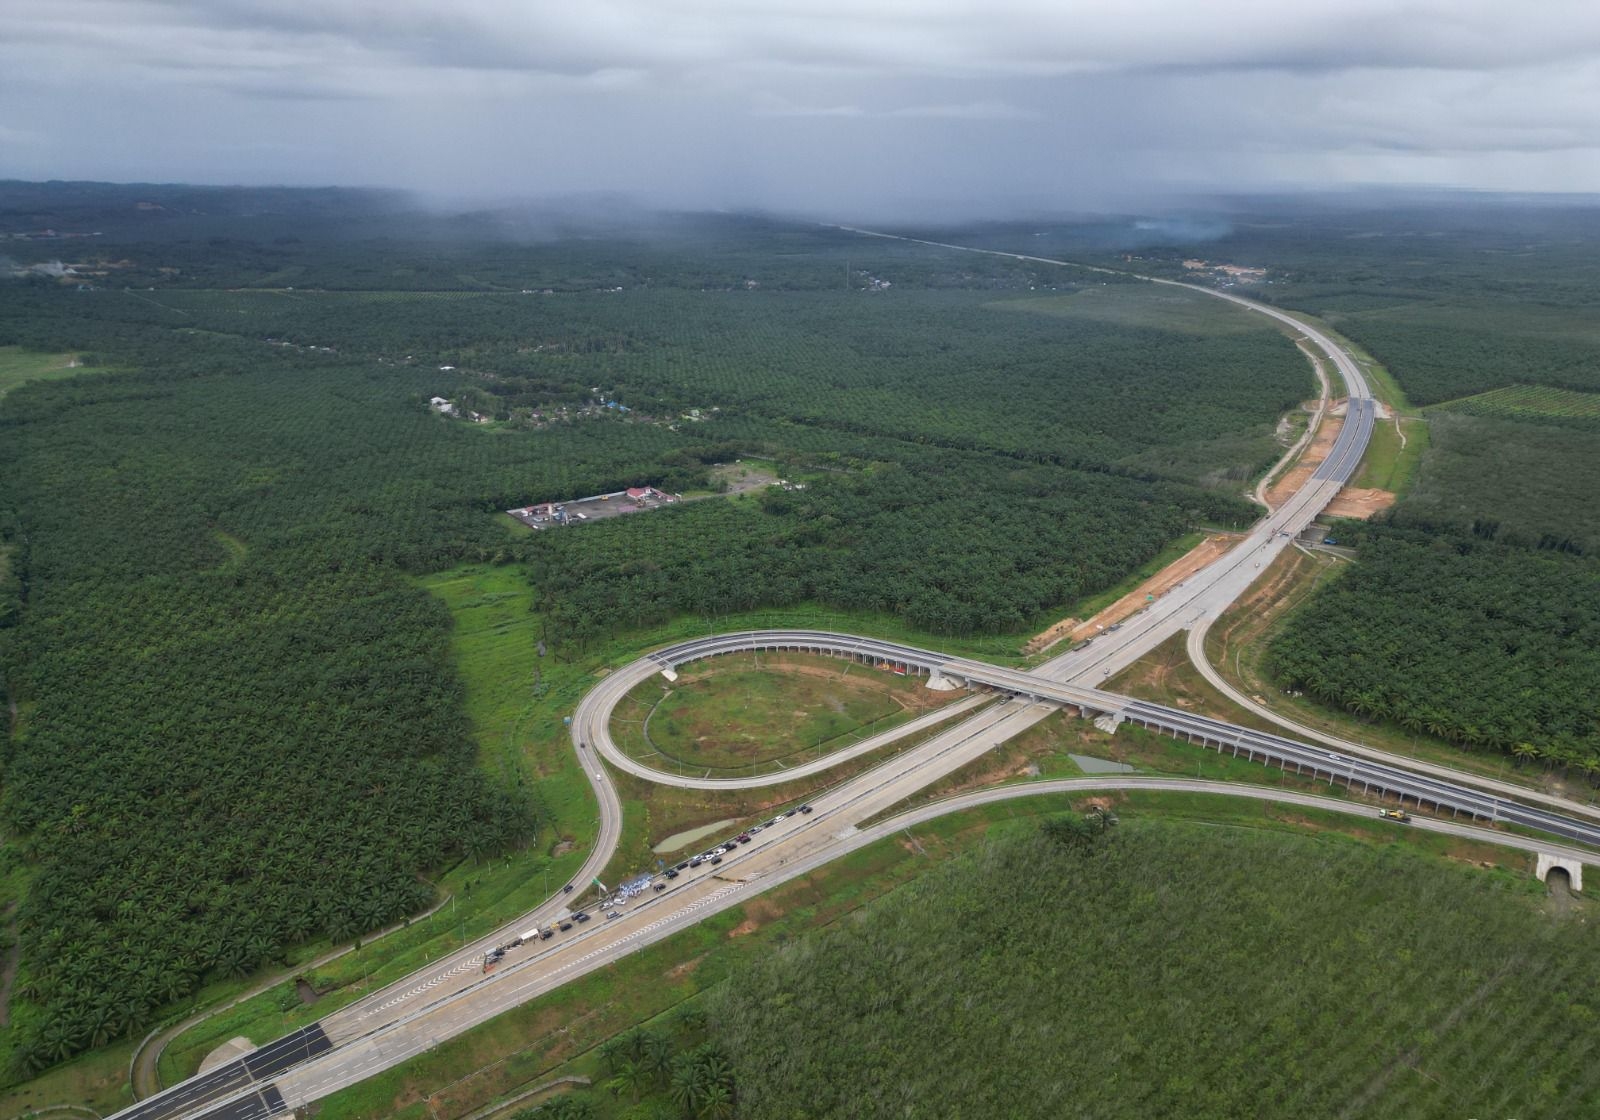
464, 966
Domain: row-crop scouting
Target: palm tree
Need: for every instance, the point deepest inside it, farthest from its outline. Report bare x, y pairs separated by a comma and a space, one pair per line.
631, 1078
173, 983
687, 1088
55, 1042
689, 1017
717, 1102
610, 1050
102, 1025
654, 1055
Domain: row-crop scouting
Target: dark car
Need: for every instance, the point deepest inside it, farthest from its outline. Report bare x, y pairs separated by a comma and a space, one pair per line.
695, 862
567, 889
672, 872
580, 917
716, 859
684, 866
805, 808
546, 934
659, 887
565, 926
743, 838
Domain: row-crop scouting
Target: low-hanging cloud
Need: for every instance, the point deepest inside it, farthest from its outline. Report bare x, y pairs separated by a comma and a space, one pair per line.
774, 101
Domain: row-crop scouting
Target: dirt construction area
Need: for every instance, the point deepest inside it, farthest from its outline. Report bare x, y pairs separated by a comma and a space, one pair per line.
1075, 630
1352, 501
1359, 503
1290, 481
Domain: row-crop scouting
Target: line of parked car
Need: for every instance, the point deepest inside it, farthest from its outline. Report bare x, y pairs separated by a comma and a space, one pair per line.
711, 856
714, 855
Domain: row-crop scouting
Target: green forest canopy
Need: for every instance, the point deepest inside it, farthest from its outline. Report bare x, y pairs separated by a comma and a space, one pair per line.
1175, 970
240, 725
1488, 646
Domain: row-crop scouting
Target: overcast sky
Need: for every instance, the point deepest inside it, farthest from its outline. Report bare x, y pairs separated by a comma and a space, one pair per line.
840, 105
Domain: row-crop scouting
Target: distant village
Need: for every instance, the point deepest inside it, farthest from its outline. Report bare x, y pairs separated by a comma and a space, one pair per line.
1228, 274
601, 404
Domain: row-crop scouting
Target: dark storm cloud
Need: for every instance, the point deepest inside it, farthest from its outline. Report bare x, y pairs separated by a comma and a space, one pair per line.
848, 103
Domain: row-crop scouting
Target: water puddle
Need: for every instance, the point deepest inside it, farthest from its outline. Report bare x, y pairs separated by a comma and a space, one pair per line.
684, 839
1091, 765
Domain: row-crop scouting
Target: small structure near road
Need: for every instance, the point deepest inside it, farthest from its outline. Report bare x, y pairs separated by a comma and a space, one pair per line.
1549, 863
596, 507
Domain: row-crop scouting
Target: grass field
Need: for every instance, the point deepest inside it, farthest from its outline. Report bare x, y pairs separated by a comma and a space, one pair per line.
744, 710
1167, 676
18, 366
1393, 455
1045, 751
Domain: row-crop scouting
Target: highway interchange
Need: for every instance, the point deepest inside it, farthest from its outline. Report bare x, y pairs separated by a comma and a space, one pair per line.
454, 994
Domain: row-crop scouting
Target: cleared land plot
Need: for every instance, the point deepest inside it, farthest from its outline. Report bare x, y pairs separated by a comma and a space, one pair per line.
1127, 603
1290, 481
744, 710
18, 365
1146, 305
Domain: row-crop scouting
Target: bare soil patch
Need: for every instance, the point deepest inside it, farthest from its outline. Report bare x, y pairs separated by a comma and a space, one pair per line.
1289, 483
741, 477
1360, 503
1166, 579
678, 971
227, 1052
758, 912
1049, 637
